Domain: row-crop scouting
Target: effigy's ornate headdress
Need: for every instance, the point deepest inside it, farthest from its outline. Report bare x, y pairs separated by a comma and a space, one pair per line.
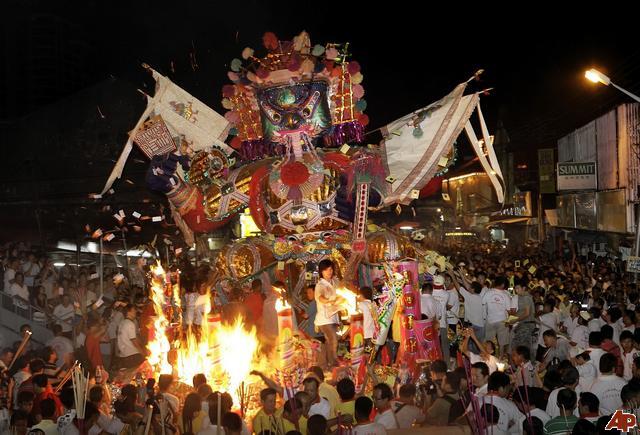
295, 93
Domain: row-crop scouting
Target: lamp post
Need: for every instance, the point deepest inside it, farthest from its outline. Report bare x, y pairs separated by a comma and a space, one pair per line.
597, 77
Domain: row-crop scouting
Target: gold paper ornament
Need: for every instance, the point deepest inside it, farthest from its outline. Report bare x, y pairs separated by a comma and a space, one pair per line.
386, 246
243, 258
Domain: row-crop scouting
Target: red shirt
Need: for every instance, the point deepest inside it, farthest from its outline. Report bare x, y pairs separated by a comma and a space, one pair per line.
92, 344
47, 394
612, 348
254, 303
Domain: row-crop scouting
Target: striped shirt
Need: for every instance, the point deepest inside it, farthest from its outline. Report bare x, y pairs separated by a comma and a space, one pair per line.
560, 425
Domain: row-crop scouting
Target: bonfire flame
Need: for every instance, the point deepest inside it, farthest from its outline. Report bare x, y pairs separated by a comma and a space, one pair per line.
236, 351
159, 345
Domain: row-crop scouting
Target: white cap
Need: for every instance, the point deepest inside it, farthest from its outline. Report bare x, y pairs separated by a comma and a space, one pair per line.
438, 282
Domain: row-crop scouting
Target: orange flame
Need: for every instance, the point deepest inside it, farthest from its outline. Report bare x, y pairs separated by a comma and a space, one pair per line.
348, 300
226, 366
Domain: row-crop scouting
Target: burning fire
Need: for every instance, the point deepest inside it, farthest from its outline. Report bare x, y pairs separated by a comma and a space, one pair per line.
159, 345
349, 300
225, 353
238, 350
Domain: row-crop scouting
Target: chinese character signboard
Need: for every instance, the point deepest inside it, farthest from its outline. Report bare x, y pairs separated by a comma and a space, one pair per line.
577, 176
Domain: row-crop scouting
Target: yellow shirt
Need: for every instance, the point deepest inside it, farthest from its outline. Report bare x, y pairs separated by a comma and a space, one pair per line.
330, 393
302, 425
196, 423
262, 421
347, 408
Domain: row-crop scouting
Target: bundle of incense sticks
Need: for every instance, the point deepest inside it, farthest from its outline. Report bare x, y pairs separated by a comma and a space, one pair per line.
80, 393
66, 378
23, 343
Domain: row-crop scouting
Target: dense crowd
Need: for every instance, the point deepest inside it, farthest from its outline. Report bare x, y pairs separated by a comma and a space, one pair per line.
531, 343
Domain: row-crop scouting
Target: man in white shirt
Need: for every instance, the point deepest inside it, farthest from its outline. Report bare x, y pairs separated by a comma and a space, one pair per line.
10, 273
31, 269
548, 320
595, 352
473, 307
497, 305
480, 377
382, 396
453, 302
499, 388
628, 355
365, 426
428, 305
597, 322
63, 314
526, 398
164, 383
131, 353
20, 292
319, 405
406, 412
607, 386
61, 344
570, 380
441, 296
48, 412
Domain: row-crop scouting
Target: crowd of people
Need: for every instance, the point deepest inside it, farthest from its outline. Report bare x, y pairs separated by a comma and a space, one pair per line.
531, 343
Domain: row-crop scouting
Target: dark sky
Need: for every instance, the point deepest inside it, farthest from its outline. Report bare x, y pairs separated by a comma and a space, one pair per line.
411, 55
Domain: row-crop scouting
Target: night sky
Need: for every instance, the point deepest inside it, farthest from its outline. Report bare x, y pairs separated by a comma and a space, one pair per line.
411, 55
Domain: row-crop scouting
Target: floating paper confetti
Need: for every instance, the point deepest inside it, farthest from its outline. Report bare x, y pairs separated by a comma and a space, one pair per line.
156, 219
97, 233
109, 237
136, 215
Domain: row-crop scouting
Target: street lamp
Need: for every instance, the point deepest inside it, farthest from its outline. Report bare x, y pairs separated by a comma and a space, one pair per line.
597, 77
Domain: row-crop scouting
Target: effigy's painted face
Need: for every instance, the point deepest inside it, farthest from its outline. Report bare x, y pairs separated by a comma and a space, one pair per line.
289, 111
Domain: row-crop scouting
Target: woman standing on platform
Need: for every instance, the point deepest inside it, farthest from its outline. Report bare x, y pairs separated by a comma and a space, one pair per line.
327, 319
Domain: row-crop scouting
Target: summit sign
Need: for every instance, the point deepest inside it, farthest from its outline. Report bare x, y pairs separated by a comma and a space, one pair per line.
577, 176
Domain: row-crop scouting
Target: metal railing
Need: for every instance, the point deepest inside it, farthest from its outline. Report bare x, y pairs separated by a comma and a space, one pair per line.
8, 302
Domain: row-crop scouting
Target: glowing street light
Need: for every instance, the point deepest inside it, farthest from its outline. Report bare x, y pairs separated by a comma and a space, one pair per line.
597, 77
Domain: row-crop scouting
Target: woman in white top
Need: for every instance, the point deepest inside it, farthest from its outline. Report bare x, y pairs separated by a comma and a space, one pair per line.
327, 316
